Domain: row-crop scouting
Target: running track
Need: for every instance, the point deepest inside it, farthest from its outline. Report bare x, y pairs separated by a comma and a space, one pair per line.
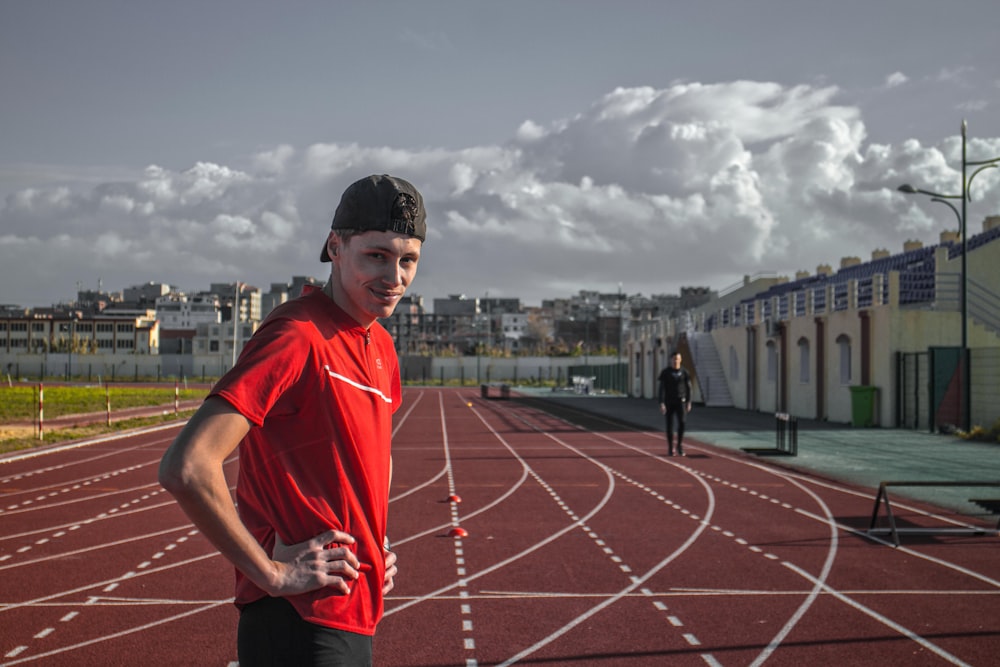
585, 546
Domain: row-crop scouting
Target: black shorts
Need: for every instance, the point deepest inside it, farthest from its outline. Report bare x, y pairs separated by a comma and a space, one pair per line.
272, 634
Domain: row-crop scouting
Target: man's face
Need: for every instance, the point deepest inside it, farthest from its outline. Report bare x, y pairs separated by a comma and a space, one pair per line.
374, 270
675, 361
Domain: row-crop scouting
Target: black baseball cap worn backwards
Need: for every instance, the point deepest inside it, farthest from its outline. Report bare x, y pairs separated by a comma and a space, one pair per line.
381, 204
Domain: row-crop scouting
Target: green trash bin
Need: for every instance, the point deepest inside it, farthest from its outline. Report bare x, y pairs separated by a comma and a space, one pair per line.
863, 399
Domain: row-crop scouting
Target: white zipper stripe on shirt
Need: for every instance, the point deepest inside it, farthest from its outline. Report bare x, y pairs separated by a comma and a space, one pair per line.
373, 390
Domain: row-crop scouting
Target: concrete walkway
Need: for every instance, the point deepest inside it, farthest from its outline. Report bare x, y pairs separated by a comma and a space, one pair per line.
859, 456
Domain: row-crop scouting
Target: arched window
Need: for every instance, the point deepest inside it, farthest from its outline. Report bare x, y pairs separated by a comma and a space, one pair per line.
804, 362
734, 364
844, 345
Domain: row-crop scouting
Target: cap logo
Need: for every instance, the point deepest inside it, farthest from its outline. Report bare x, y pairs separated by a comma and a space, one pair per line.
404, 214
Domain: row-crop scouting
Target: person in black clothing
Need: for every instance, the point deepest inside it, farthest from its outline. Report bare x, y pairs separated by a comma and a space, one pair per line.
675, 400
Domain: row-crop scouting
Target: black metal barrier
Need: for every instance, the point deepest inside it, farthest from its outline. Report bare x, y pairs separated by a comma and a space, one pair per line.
786, 437
786, 433
895, 531
495, 390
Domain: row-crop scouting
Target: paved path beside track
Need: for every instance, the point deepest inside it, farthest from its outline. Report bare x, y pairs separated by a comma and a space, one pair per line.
860, 456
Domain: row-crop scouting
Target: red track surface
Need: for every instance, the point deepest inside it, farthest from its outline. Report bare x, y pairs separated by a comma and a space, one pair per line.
584, 547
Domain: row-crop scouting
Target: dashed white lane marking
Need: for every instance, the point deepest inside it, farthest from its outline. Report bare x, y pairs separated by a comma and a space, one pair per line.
63, 532
74, 486
820, 585
580, 522
115, 635
95, 600
468, 642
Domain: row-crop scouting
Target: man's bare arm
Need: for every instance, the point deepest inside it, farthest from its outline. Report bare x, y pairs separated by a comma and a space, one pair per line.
192, 471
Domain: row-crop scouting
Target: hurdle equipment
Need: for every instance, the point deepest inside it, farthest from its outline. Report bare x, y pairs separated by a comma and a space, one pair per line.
882, 497
786, 437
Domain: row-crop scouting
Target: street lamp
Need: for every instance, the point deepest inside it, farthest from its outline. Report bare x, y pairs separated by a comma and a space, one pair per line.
236, 318
622, 373
966, 412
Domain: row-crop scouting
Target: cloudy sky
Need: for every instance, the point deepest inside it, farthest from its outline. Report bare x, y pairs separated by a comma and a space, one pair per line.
560, 145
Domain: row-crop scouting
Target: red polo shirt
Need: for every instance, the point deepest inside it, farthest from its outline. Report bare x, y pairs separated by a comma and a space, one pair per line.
320, 391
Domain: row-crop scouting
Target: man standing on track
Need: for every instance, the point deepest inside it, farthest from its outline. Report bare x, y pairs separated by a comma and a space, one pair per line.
310, 405
675, 400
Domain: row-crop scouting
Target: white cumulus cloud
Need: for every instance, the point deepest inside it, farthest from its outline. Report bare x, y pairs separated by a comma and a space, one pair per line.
653, 188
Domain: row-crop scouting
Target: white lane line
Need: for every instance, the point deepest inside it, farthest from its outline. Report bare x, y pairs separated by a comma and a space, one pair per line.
93, 549
791, 477
77, 501
114, 635
911, 552
468, 642
909, 634
615, 598
504, 563
636, 581
831, 554
32, 453
99, 584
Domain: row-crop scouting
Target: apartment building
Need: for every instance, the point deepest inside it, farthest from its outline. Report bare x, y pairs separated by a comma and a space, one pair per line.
104, 333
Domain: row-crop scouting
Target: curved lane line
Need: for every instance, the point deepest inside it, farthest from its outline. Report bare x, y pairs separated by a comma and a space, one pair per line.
827, 566
113, 580
504, 563
447, 454
902, 549
818, 583
638, 581
121, 633
879, 617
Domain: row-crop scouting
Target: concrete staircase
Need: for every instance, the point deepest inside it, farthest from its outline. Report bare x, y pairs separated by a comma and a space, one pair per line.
708, 367
984, 307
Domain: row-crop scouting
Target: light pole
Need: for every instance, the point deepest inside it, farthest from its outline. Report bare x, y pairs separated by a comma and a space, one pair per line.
966, 403
236, 318
621, 376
